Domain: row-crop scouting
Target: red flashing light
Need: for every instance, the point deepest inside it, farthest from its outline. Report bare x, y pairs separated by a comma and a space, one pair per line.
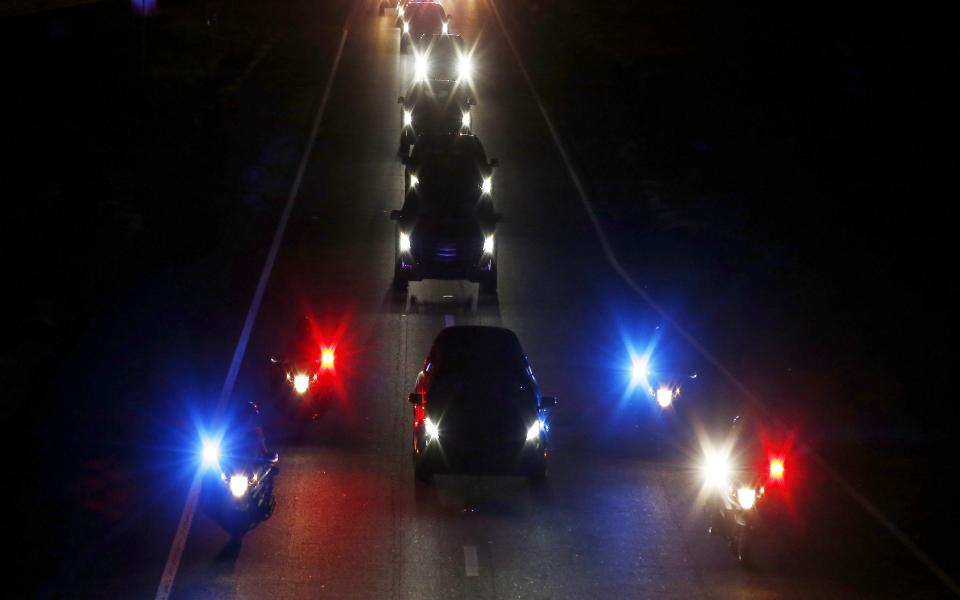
326, 358
776, 469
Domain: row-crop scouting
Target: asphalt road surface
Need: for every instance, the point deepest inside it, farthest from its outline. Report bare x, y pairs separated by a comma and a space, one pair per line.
614, 520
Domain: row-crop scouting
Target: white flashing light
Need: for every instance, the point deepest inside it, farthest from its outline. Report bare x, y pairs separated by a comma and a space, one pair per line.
465, 121
446, 28
414, 181
408, 118
404, 242
716, 470
487, 186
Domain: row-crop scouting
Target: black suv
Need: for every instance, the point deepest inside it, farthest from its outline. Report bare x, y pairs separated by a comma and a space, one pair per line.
445, 229
433, 107
477, 407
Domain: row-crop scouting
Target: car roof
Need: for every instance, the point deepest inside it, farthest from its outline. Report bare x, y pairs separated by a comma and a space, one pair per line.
415, 7
454, 39
441, 89
438, 143
471, 340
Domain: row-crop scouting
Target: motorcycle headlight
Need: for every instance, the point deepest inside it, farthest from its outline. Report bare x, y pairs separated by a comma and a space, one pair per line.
431, 429
533, 433
665, 395
488, 244
300, 383
239, 484
404, 242
408, 118
445, 28
465, 121
746, 497
406, 27
414, 181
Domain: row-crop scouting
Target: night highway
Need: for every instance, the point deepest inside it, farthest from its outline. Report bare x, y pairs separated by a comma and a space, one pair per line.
196, 179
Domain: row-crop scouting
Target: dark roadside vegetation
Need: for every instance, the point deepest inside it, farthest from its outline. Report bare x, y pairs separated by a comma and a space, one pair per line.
150, 159
773, 176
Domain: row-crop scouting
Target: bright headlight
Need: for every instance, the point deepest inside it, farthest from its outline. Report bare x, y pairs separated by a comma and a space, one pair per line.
301, 382
210, 453
487, 186
406, 27
716, 470
746, 497
408, 118
421, 66
533, 432
465, 67
239, 485
488, 244
446, 28
466, 119
431, 429
664, 396
414, 181
404, 242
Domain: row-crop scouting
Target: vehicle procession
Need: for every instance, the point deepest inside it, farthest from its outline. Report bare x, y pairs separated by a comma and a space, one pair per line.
476, 407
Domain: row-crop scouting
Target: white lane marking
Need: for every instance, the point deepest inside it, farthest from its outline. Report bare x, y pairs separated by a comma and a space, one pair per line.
189, 509
470, 563
859, 498
448, 321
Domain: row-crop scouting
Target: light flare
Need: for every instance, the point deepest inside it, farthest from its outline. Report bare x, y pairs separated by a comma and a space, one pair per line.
301, 382
239, 485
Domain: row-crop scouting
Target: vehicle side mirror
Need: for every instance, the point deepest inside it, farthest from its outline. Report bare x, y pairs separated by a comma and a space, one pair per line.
471, 102
548, 401
449, 18
274, 359
274, 458
414, 398
395, 215
399, 99
494, 163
